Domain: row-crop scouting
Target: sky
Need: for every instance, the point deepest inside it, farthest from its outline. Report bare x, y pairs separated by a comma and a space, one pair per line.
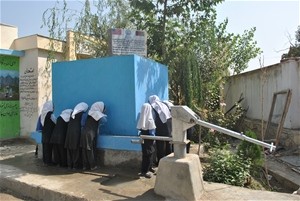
276, 22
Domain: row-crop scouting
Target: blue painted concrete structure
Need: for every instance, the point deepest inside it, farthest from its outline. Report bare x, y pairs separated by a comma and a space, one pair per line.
37, 136
16, 53
123, 83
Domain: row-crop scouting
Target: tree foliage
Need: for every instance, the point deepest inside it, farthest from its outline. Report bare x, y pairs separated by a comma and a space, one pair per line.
198, 51
184, 35
90, 24
294, 50
250, 151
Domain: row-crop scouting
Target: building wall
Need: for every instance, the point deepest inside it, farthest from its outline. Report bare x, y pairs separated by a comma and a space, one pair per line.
28, 91
37, 42
290, 139
8, 34
258, 87
35, 85
35, 72
9, 83
9, 97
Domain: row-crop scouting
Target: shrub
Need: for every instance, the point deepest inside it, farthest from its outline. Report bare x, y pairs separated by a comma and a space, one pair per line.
226, 167
248, 150
229, 121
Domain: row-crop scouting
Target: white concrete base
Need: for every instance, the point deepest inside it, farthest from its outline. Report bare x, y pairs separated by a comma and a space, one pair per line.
129, 159
179, 179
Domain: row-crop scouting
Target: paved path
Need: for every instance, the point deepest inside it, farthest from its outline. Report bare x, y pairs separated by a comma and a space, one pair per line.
25, 174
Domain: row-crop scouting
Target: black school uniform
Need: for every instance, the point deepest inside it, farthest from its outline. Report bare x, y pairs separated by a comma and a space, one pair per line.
189, 134
47, 130
147, 153
58, 140
72, 142
163, 148
88, 143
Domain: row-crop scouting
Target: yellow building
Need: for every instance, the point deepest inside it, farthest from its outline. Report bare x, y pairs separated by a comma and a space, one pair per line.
25, 75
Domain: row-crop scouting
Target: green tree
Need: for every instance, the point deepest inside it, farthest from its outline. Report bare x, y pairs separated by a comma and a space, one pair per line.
199, 52
182, 34
90, 24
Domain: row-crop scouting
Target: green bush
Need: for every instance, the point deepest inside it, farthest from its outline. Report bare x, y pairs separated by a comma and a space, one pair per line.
229, 121
248, 150
228, 168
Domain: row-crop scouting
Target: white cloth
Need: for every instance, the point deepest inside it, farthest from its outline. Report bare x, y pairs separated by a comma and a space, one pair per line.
80, 107
66, 114
47, 107
162, 109
153, 99
96, 110
146, 120
169, 104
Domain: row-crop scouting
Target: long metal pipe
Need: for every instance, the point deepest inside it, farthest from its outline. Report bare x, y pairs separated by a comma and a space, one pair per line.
235, 134
217, 128
160, 138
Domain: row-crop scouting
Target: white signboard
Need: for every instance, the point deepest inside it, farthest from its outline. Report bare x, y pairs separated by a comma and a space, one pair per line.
126, 41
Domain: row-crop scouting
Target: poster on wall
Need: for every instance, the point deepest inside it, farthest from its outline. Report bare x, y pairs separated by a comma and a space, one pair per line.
127, 41
9, 97
9, 85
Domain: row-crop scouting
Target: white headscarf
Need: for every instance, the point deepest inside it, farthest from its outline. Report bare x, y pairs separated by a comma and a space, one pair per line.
47, 107
79, 108
162, 110
153, 99
169, 104
146, 121
66, 114
96, 110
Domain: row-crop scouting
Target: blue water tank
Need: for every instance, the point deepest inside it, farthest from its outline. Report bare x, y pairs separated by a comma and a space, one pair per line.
123, 83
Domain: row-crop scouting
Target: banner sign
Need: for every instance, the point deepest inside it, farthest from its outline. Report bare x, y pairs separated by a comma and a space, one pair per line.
126, 41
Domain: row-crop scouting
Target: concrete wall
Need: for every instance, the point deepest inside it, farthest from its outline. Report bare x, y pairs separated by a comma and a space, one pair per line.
35, 79
9, 96
149, 78
289, 139
8, 34
31, 59
123, 83
258, 87
37, 42
35, 71
9, 82
35, 87
28, 92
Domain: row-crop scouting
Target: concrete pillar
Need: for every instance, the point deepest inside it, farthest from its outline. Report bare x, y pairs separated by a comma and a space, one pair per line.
179, 138
179, 179
70, 47
179, 174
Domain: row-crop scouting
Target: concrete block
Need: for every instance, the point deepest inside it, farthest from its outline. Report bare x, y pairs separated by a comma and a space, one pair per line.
179, 179
128, 159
